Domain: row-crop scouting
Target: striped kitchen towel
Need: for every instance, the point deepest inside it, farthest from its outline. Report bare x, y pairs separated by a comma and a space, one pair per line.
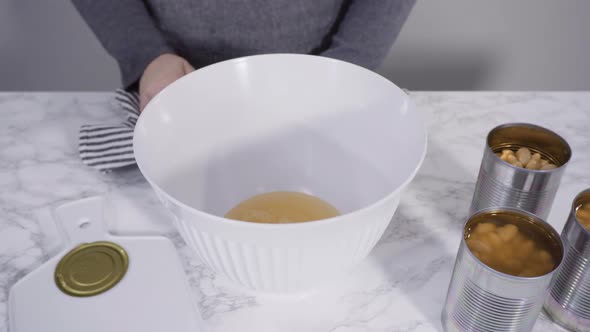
106, 147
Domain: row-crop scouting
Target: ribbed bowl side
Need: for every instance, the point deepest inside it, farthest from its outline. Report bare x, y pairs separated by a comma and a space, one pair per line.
263, 267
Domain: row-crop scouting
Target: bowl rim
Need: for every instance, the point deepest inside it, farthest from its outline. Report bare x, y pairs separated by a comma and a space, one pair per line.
326, 221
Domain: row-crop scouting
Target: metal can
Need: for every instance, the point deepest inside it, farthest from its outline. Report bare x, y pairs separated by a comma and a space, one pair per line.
502, 184
483, 299
568, 302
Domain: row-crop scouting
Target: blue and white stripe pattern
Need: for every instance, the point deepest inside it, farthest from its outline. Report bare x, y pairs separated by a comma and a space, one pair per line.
106, 147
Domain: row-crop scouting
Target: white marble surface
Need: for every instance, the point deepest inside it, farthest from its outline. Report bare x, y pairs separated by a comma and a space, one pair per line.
400, 287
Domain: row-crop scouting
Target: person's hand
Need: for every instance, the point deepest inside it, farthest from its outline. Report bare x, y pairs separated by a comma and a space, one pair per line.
162, 71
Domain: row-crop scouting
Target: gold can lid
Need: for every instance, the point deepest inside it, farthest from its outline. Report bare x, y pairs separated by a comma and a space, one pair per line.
91, 268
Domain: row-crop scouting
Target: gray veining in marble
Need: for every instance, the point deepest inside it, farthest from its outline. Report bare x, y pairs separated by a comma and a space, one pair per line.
399, 287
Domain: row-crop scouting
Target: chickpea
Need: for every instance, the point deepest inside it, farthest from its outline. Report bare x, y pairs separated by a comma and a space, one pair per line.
480, 246
487, 260
547, 267
544, 256
533, 164
484, 227
478, 255
507, 232
518, 240
525, 250
524, 158
537, 270
511, 159
514, 265
503, 253
509, 250
528, 273
583, 215
548, 167
494, 240
506, 153
523, 155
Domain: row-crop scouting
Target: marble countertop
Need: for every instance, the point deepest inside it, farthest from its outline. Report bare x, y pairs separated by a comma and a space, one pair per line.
400, 287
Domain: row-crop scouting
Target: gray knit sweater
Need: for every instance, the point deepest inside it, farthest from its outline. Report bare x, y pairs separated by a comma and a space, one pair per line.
134, 32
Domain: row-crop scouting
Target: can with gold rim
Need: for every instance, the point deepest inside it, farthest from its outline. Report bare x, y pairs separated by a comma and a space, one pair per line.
500, 183
568, 302
501, 283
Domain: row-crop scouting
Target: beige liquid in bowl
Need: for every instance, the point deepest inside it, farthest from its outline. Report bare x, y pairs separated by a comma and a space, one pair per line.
282, 207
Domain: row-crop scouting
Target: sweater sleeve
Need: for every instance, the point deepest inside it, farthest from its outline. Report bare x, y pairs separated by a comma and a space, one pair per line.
367, 31
127, 31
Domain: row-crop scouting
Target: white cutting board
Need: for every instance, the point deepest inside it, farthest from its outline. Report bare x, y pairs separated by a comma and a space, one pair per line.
154, 294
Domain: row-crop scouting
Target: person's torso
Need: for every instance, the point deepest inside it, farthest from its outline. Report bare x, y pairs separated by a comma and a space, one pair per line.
208, 31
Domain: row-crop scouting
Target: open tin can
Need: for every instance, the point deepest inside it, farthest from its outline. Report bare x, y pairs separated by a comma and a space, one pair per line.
502, 184
481, 298
568, 302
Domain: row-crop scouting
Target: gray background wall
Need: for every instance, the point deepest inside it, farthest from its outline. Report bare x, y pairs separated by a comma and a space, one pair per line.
445, 45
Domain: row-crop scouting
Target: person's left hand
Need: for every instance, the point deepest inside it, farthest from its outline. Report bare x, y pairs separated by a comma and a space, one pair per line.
162, 71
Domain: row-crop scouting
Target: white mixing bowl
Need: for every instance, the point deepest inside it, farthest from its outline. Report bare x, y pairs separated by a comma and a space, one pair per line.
280, 122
